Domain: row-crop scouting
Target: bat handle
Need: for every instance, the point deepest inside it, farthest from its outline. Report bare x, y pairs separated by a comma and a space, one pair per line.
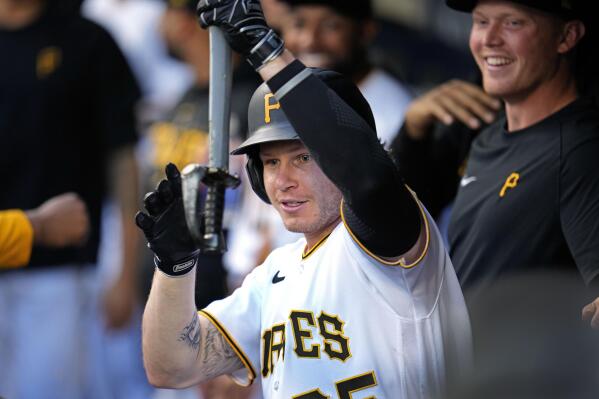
214, 240
217, 180
191, 178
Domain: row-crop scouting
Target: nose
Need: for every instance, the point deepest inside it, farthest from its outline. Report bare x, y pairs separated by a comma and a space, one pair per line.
285, 177
308, 39
493, 35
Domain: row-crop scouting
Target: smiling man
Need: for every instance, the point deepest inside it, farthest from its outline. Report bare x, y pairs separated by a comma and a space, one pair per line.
534, 204
336, 35
367, 303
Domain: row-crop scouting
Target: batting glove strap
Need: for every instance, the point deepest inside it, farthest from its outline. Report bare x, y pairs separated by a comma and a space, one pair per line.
265, 50
178, 268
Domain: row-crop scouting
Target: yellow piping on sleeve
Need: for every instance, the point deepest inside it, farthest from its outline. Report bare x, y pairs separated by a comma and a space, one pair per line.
16, 239
401, 261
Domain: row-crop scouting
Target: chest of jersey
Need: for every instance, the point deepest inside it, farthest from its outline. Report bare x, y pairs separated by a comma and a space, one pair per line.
330, 324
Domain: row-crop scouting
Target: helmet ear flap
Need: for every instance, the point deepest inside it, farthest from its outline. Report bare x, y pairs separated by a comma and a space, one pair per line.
254, 170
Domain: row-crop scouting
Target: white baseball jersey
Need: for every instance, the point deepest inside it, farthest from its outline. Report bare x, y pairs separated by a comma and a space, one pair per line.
338, 323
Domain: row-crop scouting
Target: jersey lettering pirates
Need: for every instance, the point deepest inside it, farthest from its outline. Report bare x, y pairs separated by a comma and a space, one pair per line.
338, 323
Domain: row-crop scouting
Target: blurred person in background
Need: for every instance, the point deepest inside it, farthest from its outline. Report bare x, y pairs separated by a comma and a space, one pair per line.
135, 26
336, 34
67, 124
59, 222
529, 195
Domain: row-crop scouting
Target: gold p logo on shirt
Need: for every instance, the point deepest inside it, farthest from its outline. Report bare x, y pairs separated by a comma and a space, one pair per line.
268, 106
510, 182
48, 60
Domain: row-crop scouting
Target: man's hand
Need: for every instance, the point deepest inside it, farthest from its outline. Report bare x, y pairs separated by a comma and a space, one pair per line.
453, 100
245, 28
591, 313
60, 221
165, 228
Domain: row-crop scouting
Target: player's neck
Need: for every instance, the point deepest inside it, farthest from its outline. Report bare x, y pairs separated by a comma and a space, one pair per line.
313, 239
544, 101
16, 14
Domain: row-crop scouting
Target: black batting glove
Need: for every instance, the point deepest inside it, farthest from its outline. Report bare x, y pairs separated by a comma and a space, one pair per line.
245, 28
164, 226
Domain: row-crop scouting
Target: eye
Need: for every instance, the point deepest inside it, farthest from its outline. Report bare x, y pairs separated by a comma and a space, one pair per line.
331, 25
303, 158
298, 23
478, 21
514, 23
270, 162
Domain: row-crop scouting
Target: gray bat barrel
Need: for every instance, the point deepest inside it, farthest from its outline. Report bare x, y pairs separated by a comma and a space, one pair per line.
209, 235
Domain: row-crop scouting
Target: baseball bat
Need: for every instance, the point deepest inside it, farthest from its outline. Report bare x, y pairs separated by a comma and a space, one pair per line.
208, 231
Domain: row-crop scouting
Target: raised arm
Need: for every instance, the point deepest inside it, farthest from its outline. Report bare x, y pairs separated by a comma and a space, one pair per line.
344, 145
347, 149
180, 348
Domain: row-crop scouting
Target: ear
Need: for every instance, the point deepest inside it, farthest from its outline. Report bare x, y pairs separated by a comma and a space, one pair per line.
572, 32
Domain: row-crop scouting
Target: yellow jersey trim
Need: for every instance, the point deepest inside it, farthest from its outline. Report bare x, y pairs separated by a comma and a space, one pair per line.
244, 359
401, 261
16, 239
305, 253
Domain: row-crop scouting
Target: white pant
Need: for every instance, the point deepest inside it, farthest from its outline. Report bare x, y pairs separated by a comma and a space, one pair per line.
44, 330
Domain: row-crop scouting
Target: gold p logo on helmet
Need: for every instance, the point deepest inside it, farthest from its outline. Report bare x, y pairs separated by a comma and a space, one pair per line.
268, 106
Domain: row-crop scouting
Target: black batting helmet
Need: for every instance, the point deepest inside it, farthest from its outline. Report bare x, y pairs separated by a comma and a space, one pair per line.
267, 122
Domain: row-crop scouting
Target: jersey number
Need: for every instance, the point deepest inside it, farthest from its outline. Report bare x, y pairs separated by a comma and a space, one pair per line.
345, 388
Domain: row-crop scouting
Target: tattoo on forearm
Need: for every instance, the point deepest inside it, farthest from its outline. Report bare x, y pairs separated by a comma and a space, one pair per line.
217, 356
190, 334
211, 348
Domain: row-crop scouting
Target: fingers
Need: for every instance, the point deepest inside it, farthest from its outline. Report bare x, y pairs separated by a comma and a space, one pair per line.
205, 5
206, 18
476, 102
591, 313
172, 172
174, 177
206, 12
144, 221
479, 94
153, 203
165, 191
465, 102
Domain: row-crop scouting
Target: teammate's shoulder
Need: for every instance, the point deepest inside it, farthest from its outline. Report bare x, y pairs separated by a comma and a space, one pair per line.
579, 124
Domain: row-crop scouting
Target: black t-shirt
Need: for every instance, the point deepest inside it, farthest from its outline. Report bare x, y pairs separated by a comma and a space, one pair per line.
66, 101
530, 199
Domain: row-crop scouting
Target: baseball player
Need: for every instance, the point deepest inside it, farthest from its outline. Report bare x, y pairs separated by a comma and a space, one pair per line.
365, 305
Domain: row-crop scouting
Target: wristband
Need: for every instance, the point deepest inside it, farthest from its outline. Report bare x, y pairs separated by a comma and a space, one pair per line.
267, 49
179, 268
